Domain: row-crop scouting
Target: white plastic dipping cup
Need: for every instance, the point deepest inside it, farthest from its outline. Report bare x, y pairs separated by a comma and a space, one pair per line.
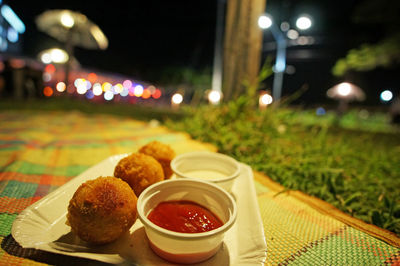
213, 167
186, 247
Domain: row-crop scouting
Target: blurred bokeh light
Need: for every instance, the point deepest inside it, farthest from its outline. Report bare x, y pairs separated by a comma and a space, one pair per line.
386, 95
214, 97
177, 98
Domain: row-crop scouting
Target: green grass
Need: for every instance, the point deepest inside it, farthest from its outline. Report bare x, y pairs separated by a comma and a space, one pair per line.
352, 162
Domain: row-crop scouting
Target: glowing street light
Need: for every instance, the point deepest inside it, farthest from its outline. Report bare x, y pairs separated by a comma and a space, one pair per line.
214, 97
344, 89
265, 22
176, 100
67, 20
58, 56
304, 22
264, 100
54, 55
386, 95
345, 92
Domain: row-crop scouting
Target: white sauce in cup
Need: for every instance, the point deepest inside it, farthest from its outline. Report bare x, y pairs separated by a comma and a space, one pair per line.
205, 174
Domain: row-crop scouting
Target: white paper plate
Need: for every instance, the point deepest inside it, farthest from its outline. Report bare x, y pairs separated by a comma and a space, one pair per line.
42, 226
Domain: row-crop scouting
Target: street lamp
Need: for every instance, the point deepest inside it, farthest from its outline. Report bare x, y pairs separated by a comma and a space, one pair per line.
386, 96
304, 22
67, 20
266, 22
214, 97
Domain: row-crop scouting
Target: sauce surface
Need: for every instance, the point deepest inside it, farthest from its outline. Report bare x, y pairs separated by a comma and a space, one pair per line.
184, 217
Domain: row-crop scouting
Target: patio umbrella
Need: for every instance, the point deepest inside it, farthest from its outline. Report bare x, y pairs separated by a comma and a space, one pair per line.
345, 92
73, 29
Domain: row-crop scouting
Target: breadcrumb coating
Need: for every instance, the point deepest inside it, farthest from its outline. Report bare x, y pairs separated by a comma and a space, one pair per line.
101, 210
163, 153
139, 171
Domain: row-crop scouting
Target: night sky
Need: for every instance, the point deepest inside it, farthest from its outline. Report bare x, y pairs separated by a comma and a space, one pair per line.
145, 37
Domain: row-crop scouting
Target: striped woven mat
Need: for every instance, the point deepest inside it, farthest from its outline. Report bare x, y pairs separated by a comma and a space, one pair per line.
40, 151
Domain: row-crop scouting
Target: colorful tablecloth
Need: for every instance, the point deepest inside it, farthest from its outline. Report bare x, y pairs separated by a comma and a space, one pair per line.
40, 151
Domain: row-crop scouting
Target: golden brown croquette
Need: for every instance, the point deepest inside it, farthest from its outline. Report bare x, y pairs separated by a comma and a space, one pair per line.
139, 171
102, 209
163, 153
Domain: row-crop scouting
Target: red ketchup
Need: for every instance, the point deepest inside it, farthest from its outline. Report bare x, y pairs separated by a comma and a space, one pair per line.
184, 216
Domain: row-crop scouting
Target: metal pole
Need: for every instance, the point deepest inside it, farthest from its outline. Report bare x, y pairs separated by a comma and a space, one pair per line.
280, 62
69, 48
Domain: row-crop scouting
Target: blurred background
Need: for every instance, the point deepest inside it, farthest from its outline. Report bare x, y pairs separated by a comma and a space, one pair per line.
146, 51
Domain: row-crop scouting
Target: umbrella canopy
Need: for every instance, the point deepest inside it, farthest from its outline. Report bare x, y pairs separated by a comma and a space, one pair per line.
72, 27
346, 91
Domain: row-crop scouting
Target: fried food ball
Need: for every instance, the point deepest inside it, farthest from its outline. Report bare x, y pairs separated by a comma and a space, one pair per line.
102, 209
139, 171
163, 153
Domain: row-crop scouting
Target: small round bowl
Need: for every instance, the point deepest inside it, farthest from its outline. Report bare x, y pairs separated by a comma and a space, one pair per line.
186, 247
213, 167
